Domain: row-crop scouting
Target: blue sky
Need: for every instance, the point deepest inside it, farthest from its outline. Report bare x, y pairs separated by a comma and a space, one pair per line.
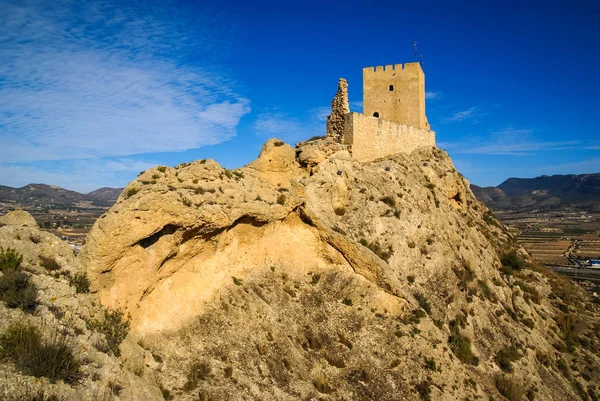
93, 92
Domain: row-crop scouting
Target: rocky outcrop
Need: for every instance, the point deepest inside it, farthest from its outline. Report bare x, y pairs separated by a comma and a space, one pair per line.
307, 274
64, 316
339, 107
18, 218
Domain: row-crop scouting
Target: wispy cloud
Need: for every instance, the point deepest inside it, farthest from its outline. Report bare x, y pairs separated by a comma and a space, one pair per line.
433, 95
83, 80
470, 113
356, 106
587, 166
510, 141
276, 123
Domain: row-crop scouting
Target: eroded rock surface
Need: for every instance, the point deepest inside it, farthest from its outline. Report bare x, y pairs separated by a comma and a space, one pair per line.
308, 275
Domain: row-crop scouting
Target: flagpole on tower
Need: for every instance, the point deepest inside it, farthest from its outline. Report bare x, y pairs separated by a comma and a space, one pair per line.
415, 50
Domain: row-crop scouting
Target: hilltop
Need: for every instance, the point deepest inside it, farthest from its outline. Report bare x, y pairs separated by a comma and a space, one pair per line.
308, 275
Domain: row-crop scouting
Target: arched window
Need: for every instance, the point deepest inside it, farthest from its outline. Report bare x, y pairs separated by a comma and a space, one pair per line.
391, 88
376, 114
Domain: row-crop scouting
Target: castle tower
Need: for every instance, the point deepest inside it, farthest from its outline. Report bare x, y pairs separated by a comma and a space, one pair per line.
396, 94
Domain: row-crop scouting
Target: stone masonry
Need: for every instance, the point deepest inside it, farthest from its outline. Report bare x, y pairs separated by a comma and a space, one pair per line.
339, 108
394, 119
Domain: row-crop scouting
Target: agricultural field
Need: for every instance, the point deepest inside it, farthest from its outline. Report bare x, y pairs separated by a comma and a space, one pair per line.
551, 237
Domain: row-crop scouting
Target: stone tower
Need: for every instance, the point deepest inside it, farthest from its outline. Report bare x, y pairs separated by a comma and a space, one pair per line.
395, 94
339, 108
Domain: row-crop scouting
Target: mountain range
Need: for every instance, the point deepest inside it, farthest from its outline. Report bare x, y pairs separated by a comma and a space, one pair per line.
42, 194
545, 193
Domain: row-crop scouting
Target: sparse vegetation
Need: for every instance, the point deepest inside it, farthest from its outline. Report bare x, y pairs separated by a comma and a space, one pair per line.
155, 176
198, 371
423, 302
461, 347
114, 326
486, 291
281, 199
51, 358
340, 211
379, 251
509, 388
17, 291
388, 200
236, 280
130, 192
424, 390
322, 385
511, 261
506, 356
49, 263
10, 259
162, 169
347, 301
81, 283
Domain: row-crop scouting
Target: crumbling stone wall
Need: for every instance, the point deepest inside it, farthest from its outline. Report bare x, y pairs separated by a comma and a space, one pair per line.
339, 107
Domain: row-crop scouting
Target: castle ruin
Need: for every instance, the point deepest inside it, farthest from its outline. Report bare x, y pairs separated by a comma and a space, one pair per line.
394, 119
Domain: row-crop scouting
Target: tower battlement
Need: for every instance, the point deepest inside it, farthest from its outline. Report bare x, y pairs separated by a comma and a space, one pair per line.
396, 93
392, 67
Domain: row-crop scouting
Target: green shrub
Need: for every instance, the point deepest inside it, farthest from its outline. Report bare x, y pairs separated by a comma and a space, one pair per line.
155, 176
236, 280
49, 263
162, 169
81, 283
281, 199
114, 327
430, 364
52, 358
10, 259
461, 347
509, 388
17, 291
388, 200
512, 261
198, 371
423, 302
486, 291
347, 301
506, 356
130, 192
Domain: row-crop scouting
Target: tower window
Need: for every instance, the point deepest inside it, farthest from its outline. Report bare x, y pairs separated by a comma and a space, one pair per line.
376, 114
391, 88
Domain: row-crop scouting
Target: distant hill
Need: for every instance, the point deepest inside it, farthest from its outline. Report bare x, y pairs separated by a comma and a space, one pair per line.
545, 193
42, 194
106, 194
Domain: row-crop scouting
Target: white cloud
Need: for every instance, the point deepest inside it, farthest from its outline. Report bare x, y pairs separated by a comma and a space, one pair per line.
433, 95
470, 113
90, 79
356, 106
290, 129
509, 141
588, 166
